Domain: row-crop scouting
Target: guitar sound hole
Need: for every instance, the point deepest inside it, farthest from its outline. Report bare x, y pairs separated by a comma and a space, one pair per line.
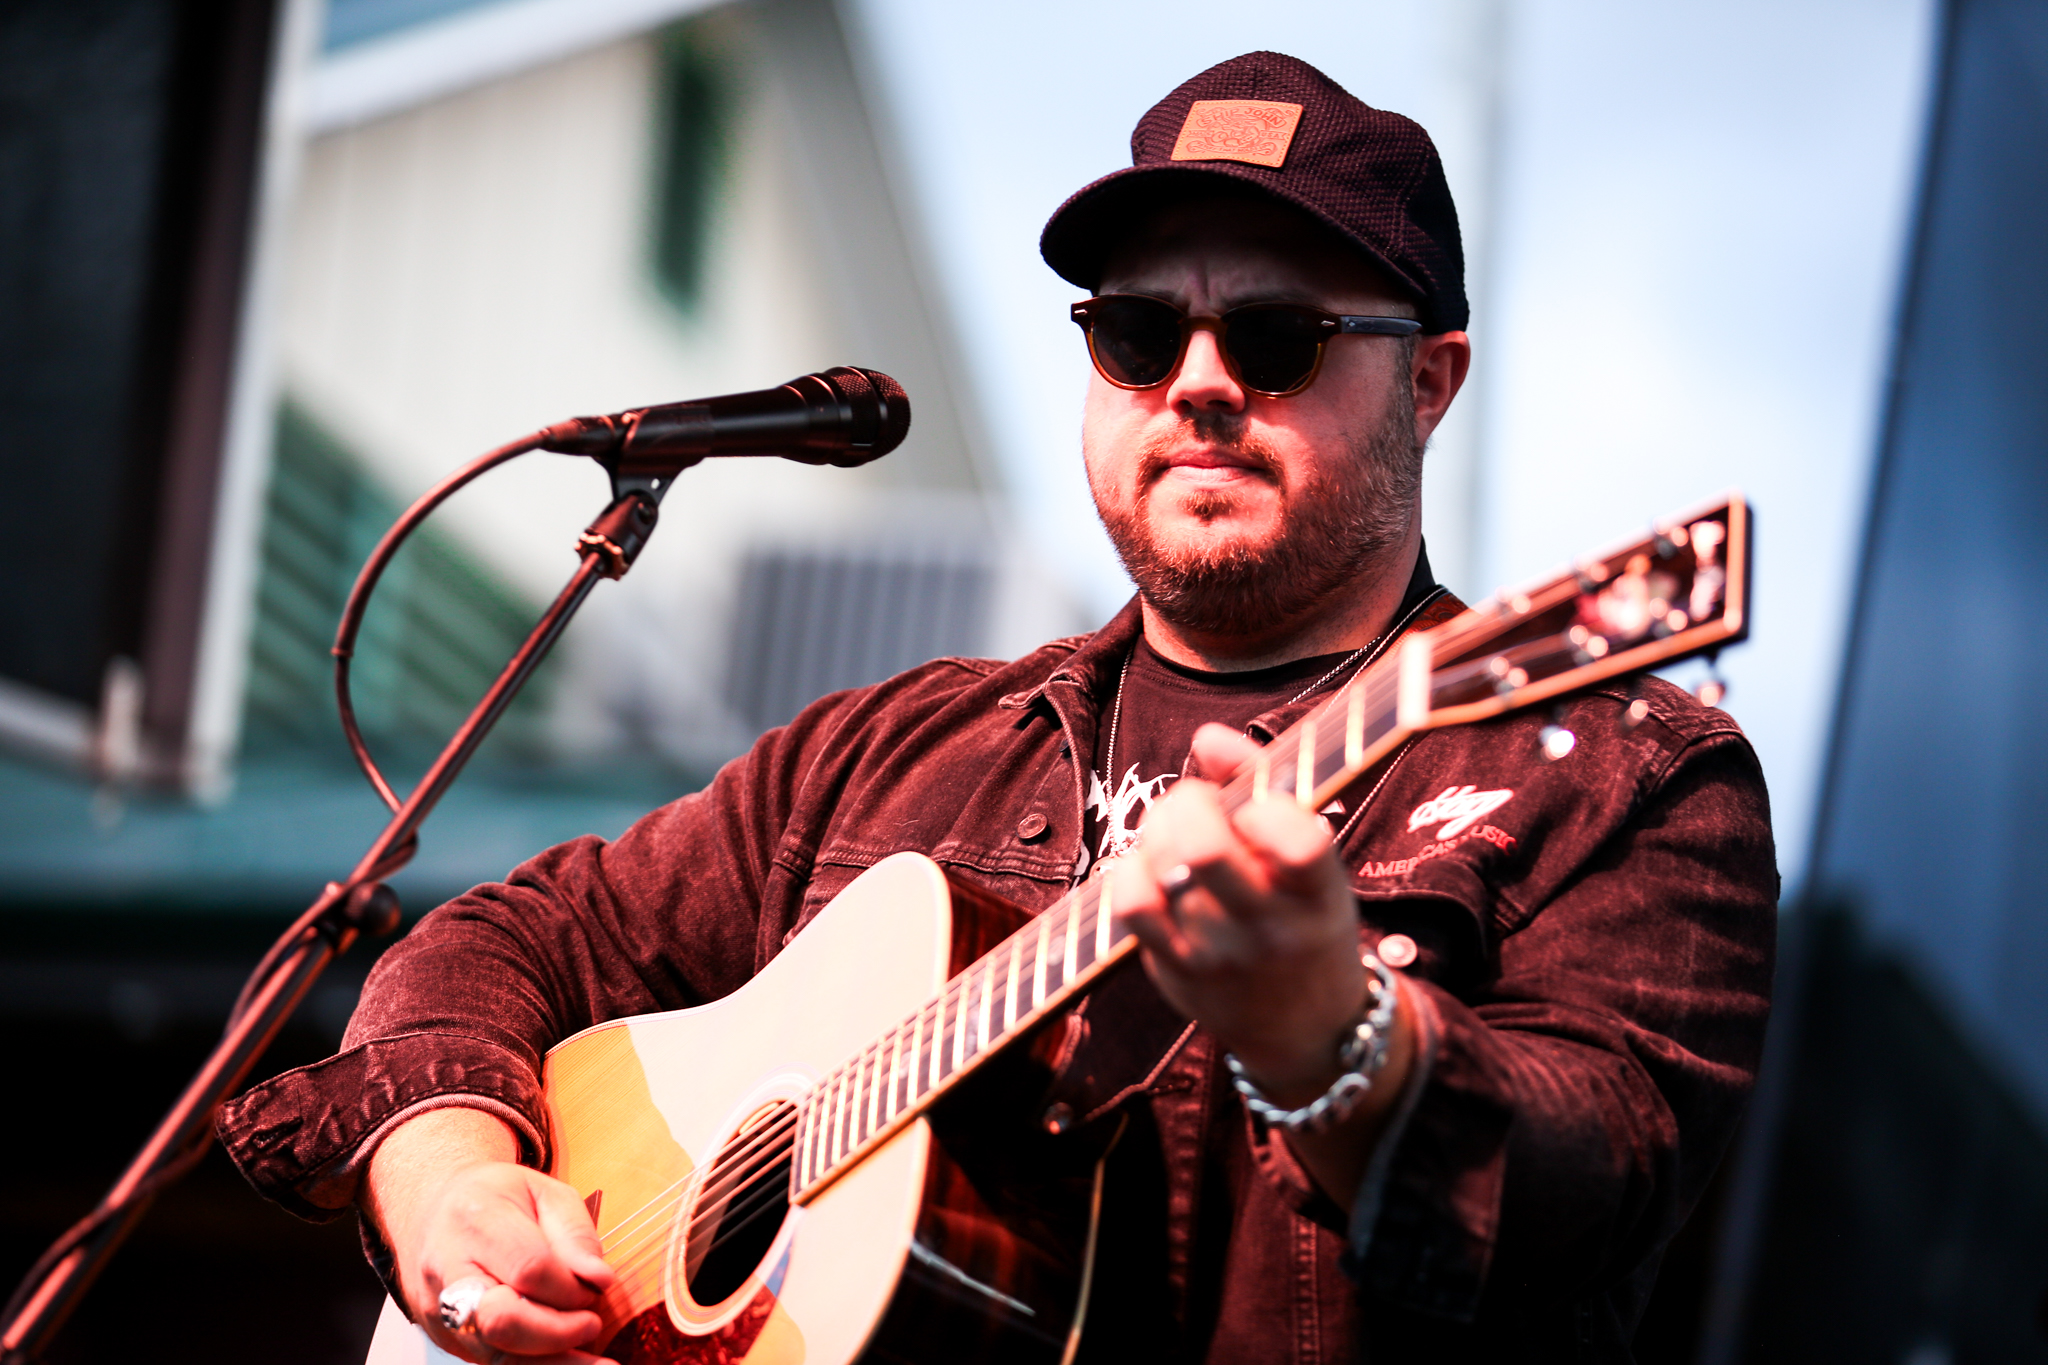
740, 1207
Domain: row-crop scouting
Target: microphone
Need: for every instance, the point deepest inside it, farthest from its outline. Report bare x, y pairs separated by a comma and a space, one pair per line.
842, 416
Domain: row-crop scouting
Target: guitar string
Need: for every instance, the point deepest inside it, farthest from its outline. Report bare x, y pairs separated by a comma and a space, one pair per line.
679, 1191
649, 1241
958, 992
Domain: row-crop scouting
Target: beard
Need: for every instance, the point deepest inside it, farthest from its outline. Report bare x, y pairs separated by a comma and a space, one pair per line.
1333, 526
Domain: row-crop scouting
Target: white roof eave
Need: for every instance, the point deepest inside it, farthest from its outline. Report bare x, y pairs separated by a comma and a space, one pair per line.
442, 57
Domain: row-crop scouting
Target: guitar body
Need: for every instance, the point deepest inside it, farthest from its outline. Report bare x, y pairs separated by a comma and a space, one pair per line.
935, 1246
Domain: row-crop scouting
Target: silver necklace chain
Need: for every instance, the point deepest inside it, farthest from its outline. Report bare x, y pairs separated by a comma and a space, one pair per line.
1365, 652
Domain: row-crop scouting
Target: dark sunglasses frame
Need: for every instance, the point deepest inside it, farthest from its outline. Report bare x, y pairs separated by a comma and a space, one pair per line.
1327, 325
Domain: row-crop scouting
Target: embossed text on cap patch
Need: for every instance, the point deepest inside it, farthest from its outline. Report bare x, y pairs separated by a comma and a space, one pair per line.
1253, 131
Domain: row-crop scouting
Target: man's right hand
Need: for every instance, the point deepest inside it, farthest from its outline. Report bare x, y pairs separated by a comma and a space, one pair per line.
452, 1203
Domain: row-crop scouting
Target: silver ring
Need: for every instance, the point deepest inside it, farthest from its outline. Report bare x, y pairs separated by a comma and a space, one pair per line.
459, 1303
1178, 878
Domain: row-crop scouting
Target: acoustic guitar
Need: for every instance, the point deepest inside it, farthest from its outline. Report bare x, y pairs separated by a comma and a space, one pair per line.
793, 1173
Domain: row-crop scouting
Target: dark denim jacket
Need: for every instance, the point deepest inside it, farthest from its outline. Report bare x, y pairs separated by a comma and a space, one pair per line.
1595, 963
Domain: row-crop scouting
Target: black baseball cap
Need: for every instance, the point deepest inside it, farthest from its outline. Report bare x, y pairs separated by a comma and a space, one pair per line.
1267, 123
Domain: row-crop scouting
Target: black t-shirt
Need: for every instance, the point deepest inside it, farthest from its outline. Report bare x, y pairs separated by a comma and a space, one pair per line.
1162, 705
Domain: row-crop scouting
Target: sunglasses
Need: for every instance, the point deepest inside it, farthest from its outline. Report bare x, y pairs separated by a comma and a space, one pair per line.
1273, 349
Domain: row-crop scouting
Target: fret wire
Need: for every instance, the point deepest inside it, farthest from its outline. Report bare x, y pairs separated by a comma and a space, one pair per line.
1305, 769
895, 1068
1354, 728
1038, 967
853, 1105
1102, 927
803, 1143
916, 1054
863, 1095
849, 1118
824, 1122
849, 1112
1010, 994
849, 1127
833, 1148
874, 1095
928, 1059
808, 1131
960, 1018
819, 1134
988, 988
898, 1075
1072, 965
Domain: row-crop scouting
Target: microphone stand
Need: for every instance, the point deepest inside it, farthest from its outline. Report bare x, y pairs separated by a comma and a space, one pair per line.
329, 927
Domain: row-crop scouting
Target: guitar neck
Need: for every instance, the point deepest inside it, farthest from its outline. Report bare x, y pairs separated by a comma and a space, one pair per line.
1678, 592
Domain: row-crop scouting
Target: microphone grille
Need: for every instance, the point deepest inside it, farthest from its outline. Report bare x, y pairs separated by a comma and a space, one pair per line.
891, 404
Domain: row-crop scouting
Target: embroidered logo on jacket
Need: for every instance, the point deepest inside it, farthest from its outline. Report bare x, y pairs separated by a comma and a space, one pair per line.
1457, 809
1401, 867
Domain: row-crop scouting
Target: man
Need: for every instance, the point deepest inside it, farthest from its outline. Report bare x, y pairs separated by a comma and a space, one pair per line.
1584, 953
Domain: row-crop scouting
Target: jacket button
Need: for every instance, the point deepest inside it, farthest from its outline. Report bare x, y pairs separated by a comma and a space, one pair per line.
1058, 1118
1398, 950
1031, 826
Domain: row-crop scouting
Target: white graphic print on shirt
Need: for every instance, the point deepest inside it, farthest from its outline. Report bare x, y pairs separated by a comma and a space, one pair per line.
1118, 815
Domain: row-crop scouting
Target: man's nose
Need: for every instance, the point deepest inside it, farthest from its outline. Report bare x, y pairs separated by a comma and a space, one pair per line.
1204, 383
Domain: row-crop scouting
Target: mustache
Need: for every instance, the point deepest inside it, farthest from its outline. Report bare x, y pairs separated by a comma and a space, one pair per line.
1226, 433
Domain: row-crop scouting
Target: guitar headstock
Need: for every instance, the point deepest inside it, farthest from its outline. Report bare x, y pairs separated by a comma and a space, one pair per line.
1679, 591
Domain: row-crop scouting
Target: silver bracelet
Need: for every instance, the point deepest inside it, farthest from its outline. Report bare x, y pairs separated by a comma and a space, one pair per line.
1362, 1053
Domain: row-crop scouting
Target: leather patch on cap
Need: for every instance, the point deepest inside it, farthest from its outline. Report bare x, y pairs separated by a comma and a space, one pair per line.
1254, 131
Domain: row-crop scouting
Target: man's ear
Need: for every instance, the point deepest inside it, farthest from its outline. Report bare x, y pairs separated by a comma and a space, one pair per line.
1437, 372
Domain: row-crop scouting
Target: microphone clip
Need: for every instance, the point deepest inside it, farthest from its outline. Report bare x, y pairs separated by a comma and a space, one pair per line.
621, 531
